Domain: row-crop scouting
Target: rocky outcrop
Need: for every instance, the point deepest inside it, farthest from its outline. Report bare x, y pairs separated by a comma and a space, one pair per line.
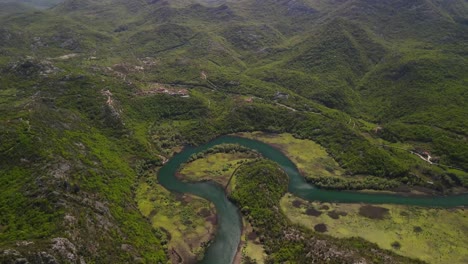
32, 68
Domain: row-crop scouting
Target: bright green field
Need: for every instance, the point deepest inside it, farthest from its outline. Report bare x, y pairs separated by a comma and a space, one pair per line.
310, 158
251, 246
218, 167
189, 220
433, 235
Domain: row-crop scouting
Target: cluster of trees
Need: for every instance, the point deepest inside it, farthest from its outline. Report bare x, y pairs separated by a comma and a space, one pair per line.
198, 123
164, 106
450, 147
351, 150
224, 148
369, 182
260, 186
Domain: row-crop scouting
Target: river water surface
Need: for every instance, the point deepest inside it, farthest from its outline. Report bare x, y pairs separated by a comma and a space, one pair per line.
224, 246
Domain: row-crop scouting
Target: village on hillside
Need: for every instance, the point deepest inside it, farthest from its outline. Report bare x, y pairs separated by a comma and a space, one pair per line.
158, 88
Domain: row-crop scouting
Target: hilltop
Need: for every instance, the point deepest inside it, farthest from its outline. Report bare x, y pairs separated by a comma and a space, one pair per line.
84, 116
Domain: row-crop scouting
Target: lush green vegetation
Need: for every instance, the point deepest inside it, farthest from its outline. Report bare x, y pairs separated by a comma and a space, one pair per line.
187, 223
367, 182
318, 167
224, 148
66, 176
311, 159
260, 185
217, 164
81, 122
432, 235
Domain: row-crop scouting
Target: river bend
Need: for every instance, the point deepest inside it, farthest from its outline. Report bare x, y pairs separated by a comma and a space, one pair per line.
224, 246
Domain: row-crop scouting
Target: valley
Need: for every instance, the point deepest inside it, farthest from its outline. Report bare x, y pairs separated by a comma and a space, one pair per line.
171, 131
297, 185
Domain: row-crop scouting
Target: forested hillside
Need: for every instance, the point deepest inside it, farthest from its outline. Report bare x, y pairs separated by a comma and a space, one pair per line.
94, 94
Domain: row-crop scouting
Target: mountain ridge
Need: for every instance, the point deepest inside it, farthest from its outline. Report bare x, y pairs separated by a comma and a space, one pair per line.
85, 119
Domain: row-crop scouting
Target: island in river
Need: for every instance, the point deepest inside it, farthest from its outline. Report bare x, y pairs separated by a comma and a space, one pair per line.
442, 201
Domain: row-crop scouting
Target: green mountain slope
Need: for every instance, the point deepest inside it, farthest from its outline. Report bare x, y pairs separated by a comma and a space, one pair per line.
81, 117
41, 4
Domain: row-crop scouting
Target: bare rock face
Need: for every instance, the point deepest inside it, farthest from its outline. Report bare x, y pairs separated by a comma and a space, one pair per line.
9, 253
47, 258
14, 256
5, 36
65, 249
60, 171
66, 42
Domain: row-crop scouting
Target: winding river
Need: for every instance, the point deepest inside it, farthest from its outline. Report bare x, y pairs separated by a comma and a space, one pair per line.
224, 246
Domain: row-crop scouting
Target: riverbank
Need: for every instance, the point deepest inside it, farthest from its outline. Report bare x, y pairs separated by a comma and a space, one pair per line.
416, 191
216, 167
225, 245
250, 248
310, 158
189, 222
320, 169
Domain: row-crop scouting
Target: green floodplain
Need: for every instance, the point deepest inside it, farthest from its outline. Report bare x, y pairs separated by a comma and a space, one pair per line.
418, 232
99, 97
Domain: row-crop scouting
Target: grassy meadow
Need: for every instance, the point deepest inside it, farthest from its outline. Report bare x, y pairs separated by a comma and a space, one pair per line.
318, 166
81, 119
310, 158
187, 221
251, 246
433, 235
217, 167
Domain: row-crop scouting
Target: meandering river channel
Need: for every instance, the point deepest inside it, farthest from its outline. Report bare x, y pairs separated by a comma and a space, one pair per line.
224, 246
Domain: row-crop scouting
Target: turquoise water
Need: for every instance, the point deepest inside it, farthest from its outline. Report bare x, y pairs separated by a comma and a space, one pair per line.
224, 246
